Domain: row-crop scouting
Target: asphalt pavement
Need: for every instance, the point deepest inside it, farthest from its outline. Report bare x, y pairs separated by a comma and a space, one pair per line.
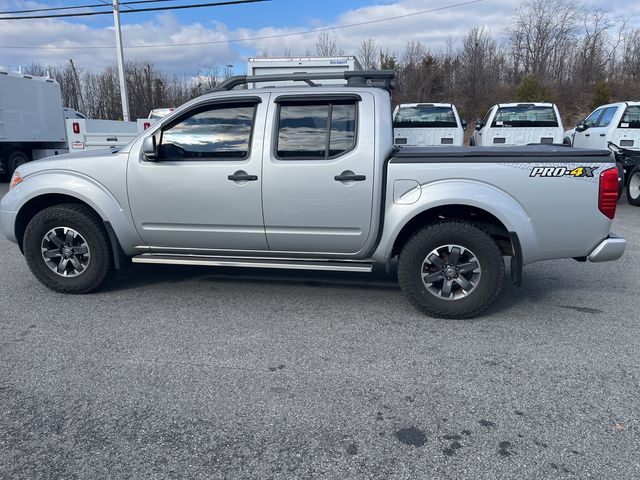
194, 373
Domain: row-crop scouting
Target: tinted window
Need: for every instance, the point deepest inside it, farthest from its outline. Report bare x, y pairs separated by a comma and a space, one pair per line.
593, 118
525, 116
318, 130
607, 116
425, 116
343, 128
631, 117
219, 132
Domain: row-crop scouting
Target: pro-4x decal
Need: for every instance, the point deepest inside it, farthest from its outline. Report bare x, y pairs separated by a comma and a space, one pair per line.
577, 172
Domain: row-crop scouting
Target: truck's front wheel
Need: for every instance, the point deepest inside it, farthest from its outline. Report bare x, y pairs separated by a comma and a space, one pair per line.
633, 187
67, 248
451, 270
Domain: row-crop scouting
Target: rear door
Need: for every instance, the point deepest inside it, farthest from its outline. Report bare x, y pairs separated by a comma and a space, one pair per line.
318, 173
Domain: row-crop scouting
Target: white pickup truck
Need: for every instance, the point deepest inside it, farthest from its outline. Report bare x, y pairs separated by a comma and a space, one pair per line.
427, 124
518, 124
615, 126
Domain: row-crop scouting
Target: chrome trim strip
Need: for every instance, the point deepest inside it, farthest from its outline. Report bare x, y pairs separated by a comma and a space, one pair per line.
219, 262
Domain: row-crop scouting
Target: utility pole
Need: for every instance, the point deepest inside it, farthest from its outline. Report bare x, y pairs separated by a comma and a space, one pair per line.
78, 88
123, 80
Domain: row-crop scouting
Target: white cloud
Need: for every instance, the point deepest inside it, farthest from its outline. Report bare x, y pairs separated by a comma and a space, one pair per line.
433, 29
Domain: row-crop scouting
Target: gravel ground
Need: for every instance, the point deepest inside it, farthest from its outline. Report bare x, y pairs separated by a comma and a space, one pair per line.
180, 372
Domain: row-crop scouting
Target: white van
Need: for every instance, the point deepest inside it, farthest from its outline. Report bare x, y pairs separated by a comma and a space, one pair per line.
427, 124
519, 124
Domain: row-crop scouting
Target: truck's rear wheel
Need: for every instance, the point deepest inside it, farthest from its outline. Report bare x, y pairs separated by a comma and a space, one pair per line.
67, 248
14, 160
633, 187
451, 270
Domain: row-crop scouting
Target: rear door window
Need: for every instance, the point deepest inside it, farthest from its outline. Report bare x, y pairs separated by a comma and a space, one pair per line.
607, 116
316, 130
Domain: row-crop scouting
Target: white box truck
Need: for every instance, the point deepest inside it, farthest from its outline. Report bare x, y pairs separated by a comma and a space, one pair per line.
34, 124
282, 65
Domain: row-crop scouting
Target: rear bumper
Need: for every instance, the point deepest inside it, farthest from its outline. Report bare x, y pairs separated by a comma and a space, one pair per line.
611, 248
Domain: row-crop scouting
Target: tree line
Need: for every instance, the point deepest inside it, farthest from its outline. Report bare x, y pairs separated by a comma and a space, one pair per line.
551, 50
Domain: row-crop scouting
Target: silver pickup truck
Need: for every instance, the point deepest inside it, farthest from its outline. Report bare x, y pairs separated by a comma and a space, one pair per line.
308, 178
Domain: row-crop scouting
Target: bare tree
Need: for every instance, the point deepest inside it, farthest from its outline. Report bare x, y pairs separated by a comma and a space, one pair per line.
542, 38
326, 46
367, 53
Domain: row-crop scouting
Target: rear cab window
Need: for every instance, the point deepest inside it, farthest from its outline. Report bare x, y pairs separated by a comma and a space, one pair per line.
525, 116
425, 116
631, 117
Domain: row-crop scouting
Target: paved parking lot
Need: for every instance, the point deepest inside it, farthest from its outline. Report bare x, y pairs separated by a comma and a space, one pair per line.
220, 373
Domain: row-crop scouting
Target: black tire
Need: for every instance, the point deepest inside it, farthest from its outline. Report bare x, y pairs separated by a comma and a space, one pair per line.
457, 233
567, 142
13, 161
633, 187
472, 143
89, 227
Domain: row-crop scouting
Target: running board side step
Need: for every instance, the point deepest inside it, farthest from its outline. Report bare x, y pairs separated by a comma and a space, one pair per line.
215, 261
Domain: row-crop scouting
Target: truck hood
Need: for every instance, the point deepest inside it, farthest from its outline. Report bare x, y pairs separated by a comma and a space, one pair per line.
69, 161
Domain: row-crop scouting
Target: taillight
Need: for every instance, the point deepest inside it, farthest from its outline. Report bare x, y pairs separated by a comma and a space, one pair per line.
608, 193
146, 125
76, 128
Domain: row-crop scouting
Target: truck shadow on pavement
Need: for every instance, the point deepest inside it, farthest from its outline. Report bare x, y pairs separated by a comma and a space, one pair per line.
539, 284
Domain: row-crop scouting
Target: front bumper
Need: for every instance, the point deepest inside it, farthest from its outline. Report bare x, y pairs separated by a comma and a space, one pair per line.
611, 248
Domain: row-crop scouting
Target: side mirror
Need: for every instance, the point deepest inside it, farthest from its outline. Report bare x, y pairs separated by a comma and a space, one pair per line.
464, 124
149, 149
582, 126
478, 124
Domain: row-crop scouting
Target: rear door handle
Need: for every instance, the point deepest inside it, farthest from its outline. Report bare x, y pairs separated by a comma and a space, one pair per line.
242, 176
603, 134
349, 177
587, 134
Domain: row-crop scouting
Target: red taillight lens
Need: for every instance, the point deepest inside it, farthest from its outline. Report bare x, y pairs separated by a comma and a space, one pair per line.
76, 128
146, 125
608, 194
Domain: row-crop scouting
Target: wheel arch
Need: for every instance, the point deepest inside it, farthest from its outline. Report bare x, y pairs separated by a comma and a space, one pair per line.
40, 202
477, 216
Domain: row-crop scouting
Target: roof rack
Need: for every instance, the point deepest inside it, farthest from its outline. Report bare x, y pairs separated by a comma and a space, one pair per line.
355, 78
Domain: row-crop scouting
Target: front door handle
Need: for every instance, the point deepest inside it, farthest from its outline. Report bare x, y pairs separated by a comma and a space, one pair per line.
349, 176
242, 176
603, 134
587, 134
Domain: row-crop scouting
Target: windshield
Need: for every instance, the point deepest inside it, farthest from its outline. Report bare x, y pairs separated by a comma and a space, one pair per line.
631, 117
525, 116
425, 116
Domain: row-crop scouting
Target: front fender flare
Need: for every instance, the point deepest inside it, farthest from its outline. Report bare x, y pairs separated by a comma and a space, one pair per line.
83, 188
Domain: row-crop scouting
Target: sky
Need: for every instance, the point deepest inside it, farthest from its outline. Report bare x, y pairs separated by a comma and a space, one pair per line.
208, 31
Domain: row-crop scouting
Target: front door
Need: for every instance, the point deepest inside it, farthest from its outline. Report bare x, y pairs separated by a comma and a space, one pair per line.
583, 139
319, 173
203, 192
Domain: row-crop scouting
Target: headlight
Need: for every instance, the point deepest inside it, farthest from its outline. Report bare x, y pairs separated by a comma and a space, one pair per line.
15, 179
